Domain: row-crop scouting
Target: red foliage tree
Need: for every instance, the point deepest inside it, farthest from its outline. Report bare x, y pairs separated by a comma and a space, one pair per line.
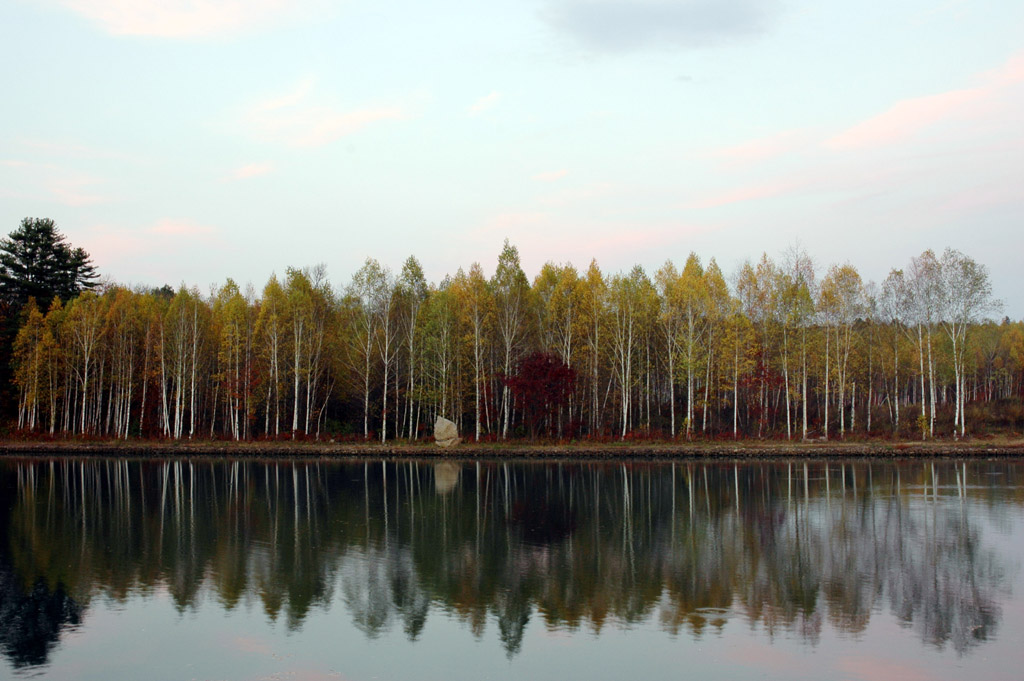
542, 384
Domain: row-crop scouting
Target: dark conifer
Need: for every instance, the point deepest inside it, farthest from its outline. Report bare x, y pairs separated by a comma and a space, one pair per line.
37, 260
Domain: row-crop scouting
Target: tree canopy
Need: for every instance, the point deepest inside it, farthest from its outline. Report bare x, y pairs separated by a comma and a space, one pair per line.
782, 353
37, 261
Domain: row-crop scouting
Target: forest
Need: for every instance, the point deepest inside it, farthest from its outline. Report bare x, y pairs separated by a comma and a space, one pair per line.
779, 349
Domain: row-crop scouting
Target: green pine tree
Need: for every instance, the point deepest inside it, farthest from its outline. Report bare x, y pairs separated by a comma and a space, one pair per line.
37, 261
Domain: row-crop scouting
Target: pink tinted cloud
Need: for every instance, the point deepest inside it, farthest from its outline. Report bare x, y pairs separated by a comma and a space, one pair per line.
324, 125
179, 18
752, 192
973, 200
109, 244
1010, 73
908, 117
75, 192
551, 175
65, 185
761, 149
905, 119
251, 170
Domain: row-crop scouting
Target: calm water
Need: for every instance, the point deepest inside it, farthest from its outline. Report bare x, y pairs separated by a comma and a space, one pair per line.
179, 569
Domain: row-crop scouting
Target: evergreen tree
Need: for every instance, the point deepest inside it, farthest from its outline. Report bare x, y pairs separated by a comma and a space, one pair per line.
36, 260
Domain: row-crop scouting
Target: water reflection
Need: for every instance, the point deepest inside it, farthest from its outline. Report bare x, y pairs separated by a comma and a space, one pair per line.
788, 547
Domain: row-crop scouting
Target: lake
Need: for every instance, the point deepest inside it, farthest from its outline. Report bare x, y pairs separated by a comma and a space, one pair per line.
382, 569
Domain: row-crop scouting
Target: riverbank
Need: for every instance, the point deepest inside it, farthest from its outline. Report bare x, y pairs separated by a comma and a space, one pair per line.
1001, 447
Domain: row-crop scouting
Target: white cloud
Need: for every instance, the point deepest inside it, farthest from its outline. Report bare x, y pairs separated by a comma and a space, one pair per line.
251, 170
177, 227
75, 191
551, 175
301, 118
180, 18
484, 103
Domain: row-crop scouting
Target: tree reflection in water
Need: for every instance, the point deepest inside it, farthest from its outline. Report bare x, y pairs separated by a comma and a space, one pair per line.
787, 546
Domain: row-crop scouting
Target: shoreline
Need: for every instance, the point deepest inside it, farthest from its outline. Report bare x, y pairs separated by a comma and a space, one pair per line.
773, 449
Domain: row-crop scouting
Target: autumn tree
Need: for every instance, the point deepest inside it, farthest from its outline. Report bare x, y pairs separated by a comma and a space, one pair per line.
719, 306
594, 308
631, 303
476, 305
842, 302
511, 292
966, 295
559, 292
29, 362
543, 383
411, 293
667, 279
271, 334
795, 299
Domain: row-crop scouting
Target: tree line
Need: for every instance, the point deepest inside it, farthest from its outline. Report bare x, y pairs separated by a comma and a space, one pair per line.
779, 349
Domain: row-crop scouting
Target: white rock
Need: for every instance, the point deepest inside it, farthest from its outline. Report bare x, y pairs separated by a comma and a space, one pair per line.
446, 434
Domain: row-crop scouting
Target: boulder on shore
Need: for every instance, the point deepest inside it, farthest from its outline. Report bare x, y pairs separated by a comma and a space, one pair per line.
446, 433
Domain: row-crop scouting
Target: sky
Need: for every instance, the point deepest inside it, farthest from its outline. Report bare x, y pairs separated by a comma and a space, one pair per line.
187, 141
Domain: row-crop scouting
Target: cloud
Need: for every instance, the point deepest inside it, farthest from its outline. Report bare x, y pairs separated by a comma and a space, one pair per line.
53, 182
909, 117
551, 175
761, 149
178, 228
143, 249
66, 150
75, 191
251, 170
180, 18
753, 192
623, 25
302, 118
904, 120
587, 195
148, 252
484, 103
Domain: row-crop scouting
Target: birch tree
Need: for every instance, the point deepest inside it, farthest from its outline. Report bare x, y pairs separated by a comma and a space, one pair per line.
412, 292
476, 305
511, 292
842, 301
796, 298
966, 296
670, 319
271, 332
